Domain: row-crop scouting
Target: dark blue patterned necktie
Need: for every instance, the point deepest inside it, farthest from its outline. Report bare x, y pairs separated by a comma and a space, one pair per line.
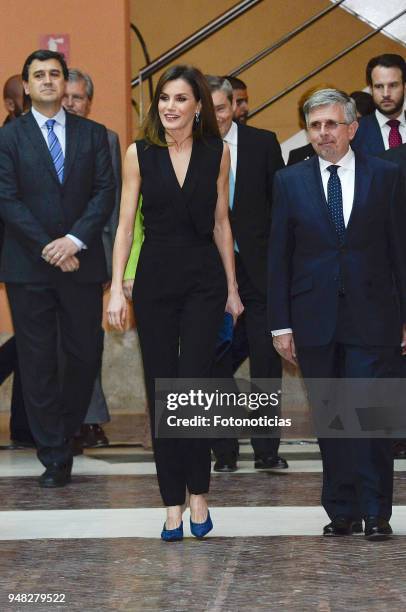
55, 149
335, 201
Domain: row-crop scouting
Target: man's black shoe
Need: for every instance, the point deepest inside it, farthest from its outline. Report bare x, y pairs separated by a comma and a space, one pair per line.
56, 475
270, 463
342, 526
357, 527
93, 435
399, 449
226, 463
377, 529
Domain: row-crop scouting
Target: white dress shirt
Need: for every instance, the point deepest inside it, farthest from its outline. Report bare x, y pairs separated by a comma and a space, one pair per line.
385, 129
60, 133
231, 138
346, 173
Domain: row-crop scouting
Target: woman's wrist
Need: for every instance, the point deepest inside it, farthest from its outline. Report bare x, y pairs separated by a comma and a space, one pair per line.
117, 289
232, 287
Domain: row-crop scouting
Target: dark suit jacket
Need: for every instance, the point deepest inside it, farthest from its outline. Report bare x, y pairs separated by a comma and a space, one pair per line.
258, 158
109, 230
300, 154
305, 257
368, 139
37, 209
398, 156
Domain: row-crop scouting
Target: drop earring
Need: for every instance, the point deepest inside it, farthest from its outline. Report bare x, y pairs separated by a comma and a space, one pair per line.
197, 117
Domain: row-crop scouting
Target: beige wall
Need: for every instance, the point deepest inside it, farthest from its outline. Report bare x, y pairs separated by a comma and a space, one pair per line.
259, 28
99, 44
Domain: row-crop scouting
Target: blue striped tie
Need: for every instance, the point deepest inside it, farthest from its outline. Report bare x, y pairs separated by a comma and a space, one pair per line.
55, 149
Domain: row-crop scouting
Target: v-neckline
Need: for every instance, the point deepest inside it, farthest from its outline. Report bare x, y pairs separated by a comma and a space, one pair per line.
181, 187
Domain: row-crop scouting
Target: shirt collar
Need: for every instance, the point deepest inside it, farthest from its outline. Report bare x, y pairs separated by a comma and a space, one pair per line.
232, 134
383, 120
347, 161
41, 119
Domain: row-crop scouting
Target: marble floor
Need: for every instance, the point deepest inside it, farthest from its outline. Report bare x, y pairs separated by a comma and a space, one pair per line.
94, 545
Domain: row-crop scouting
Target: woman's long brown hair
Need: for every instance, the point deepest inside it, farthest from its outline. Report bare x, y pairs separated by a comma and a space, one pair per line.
152, 130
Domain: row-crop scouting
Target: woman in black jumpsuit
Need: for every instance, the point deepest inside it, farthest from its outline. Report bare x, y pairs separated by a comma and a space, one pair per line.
185, 277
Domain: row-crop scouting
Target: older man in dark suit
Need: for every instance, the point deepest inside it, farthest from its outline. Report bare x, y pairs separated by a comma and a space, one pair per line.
78, 99
255, 157
56, 193
337, 295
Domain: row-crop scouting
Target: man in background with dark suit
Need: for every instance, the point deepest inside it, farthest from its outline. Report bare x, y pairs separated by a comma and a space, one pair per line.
337, 295
398, 156
56, 193
78, 99
240, 99
13, 97
386, 128
383, 132
255, 157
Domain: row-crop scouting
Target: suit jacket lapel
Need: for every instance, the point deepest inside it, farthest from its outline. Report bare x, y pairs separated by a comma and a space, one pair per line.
314, 186
363, 178
242, 163
72, 139
377, 132
33, 132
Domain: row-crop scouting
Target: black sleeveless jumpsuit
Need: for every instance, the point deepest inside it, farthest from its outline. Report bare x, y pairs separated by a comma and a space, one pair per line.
179, 296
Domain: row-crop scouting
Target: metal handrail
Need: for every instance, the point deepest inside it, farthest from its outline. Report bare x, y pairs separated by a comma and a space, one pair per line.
194, 39
146, 54
330, 61
286, 38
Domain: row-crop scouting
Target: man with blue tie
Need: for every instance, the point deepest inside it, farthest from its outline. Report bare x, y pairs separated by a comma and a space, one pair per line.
386, 127
337, 295
383, 133
56, 193
255, 157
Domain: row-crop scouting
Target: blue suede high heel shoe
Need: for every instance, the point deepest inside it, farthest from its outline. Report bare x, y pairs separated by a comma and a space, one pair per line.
172, 535
199, 530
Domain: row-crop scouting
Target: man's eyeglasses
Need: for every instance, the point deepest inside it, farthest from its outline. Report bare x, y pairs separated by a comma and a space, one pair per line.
329, 125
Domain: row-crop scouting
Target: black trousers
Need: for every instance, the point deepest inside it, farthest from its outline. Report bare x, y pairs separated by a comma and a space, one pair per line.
264, 360
357, 472
54, 414
19, 427
179, 298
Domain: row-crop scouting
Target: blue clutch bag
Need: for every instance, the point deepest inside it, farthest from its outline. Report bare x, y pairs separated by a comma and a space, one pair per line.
225, 336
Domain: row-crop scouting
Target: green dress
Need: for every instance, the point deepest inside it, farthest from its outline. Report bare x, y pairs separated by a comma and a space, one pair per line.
138, 239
